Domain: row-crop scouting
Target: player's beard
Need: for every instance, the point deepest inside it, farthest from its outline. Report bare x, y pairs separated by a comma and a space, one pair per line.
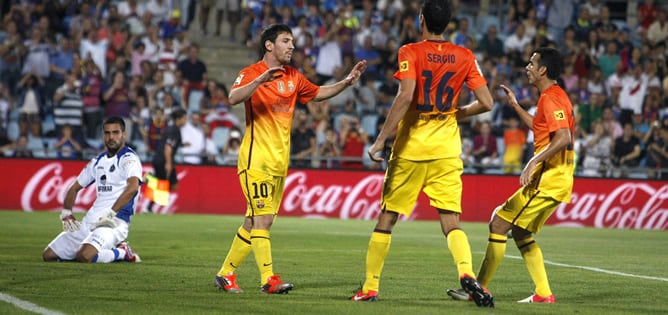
113, 147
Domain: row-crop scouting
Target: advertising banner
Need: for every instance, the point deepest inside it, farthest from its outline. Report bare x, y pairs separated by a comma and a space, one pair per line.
40, 185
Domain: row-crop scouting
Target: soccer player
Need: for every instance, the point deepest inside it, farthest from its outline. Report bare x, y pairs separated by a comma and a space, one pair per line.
101, 236
426, 150
546, 180
269, 89
163, 160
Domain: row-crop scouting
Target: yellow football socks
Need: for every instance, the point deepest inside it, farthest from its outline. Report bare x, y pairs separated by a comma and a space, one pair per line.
379, 245
261, 245
241, 247
496, 248
460, 249
533, 257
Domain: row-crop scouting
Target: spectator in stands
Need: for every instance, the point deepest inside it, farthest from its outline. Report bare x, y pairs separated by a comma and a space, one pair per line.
160, 10
21, 149
61, 62
367, 94
95, 49
67, 145
490, 44
516, 41
632, 94
605, 28
569, 78
154, 131
231, 9
31, 104
608, 61
389, 54
194, 140
167, 59
626, 152
559, 16
647, 13
117, 100
485, 150
595, 84
658, 30
657, 153
91, 92
302, 141
321, 119
329, 152
10, 54
353, 140
68, 106
582, 24
36, 60
372, 56
194, 73
514, 140
6, 106
597, 151
408, 32
462, 33
346, 97
131, 9
230, 151
330, 56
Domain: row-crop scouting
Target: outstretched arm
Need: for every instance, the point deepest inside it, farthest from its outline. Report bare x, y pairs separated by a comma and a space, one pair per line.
526, 118
329, 91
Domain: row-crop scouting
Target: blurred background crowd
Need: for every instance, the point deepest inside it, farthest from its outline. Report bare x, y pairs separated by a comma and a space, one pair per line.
65, 65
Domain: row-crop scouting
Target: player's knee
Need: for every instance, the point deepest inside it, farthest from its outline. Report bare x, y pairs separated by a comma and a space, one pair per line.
83, 257
48, 255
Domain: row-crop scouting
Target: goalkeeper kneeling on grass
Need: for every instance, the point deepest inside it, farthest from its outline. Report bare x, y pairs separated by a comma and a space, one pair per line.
101, 236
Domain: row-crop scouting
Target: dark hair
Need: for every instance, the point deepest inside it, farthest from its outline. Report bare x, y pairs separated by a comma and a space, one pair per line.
551, 59
179, 113
436, 14
270, 33
115, 120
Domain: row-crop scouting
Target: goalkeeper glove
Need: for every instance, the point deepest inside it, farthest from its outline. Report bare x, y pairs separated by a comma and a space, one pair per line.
108, 219
70, 223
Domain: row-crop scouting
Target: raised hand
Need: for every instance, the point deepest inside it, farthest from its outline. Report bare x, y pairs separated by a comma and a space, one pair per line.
356, 73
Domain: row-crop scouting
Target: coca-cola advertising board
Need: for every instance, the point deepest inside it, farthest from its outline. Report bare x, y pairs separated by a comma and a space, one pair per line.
40, 185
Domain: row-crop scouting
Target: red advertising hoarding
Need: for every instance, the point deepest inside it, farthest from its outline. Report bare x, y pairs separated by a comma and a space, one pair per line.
40, 185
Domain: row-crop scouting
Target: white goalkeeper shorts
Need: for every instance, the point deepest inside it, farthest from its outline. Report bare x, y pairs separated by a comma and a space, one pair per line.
67, 244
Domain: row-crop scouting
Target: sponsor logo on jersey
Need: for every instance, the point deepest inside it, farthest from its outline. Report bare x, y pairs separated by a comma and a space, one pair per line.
559, 115
112, 168
403, 66
259, 204
291, 86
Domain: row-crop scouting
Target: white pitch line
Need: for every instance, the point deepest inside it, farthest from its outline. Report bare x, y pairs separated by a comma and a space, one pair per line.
28, 306
610, 272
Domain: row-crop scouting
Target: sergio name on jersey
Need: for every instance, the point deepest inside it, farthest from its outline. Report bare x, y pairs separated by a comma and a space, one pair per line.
110, 175
439, 69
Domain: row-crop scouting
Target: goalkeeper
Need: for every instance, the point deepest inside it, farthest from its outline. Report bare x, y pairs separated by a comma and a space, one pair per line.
101, 236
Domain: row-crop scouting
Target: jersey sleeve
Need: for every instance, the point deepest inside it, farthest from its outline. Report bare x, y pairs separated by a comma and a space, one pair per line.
172, 137
555, 114
244, 77
307, 90
131, 166
407, 66
475, 78
87, 175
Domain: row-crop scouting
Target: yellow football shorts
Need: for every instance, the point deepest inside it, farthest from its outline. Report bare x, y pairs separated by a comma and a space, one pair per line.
439, 179
528, 208
263, 192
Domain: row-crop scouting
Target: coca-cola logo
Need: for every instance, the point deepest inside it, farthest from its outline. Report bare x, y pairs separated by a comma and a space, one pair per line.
46, 190
630, 205
360, 200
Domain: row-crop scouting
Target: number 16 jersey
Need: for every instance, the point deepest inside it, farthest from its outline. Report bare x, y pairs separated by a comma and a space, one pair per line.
429, 129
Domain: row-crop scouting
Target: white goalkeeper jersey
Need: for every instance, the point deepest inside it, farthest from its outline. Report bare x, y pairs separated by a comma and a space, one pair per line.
110, 175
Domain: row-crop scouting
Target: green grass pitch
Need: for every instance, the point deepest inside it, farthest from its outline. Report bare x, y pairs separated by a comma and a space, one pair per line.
592, 271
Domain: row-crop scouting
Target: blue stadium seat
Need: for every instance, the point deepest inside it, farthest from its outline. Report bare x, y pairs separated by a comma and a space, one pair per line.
194, 100
484, 22
369, 124
219, 136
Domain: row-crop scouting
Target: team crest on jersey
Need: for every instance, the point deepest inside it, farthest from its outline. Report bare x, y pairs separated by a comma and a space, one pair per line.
291, 86
559, 115
281, 87
112, 168
103, 180
403, 66
259, 204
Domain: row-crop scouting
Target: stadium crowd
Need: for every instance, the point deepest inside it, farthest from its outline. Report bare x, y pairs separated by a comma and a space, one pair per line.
65, 65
